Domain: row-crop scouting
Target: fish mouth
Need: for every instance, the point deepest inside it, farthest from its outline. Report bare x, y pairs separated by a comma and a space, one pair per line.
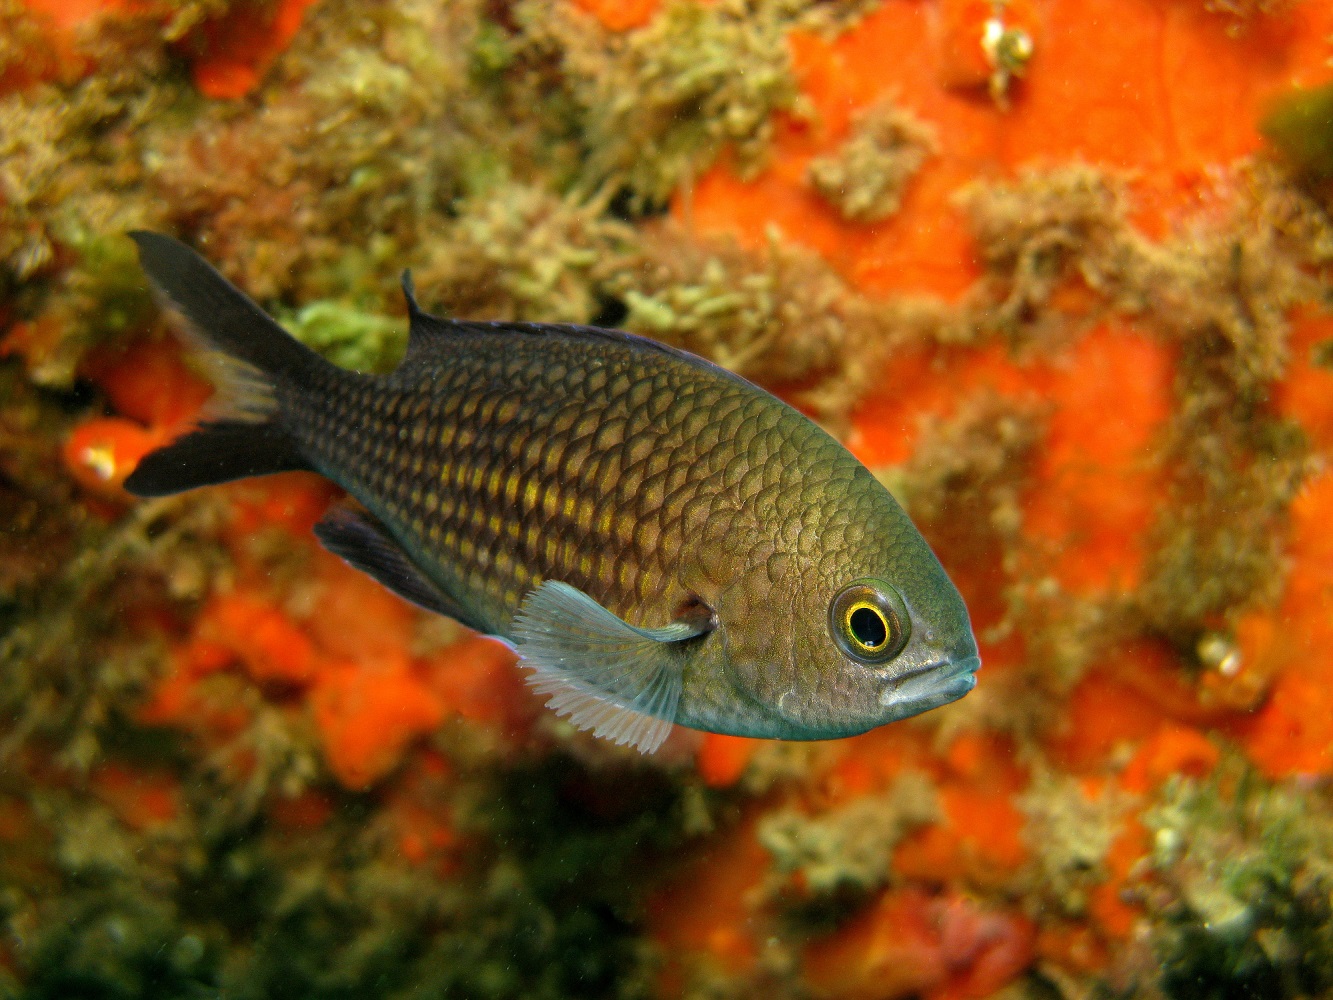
930, 686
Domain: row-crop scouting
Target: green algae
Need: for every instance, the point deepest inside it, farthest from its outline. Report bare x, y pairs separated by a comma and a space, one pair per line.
842, 855
518, 252
781, 317
504, 219
69, 576
209, 905
865, 178
973, 467
1243, 876
64, 198
1300, 127
1235, 467
1041, 231
348, 337
1069, 833
659, 105
75, 617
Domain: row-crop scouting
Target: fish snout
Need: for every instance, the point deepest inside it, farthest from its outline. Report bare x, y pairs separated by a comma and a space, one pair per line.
933, 684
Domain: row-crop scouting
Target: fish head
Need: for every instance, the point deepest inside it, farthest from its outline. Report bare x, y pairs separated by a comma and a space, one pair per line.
852, 627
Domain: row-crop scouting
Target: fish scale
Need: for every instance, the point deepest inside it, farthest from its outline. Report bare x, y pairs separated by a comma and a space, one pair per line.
590, 448
661, 540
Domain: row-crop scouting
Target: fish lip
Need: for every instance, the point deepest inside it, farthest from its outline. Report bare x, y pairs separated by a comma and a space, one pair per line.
931, 685
966, 665
950, 666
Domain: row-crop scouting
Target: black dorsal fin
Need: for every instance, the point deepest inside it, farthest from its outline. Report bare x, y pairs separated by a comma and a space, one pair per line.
410, 294
356, 536
424, 332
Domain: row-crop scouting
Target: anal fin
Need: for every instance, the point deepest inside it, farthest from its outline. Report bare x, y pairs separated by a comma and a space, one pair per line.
620, 681
356, 536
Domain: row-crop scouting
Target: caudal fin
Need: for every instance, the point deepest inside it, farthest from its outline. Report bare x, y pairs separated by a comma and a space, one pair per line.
219, 312
215, 452
250, 357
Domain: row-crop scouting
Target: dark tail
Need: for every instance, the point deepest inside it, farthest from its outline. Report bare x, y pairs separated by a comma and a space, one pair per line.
250, 357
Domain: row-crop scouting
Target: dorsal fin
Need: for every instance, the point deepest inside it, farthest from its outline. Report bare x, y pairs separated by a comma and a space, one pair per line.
410, 294
424, 332
427, 333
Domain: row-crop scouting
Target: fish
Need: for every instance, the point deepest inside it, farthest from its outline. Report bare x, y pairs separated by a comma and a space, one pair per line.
661, 541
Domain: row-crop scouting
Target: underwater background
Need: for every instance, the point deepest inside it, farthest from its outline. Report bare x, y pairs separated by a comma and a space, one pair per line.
1058, 271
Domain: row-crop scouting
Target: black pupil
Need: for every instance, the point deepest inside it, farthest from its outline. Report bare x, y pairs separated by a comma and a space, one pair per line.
868, 628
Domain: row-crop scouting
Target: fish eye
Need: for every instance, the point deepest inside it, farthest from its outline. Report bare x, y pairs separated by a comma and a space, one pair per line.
869, 621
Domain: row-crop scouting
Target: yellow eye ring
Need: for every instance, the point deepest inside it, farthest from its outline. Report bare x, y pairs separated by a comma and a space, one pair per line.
869, 621
867, 627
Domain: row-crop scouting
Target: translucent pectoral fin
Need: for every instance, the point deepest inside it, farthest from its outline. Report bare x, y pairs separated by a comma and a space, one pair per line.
620, 681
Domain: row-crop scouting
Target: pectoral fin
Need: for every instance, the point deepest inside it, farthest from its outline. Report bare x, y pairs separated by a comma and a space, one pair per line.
620, 681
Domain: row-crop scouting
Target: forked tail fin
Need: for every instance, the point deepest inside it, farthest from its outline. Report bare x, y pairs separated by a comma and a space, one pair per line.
250, 357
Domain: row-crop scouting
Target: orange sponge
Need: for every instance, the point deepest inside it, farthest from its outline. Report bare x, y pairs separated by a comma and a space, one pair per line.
367, 714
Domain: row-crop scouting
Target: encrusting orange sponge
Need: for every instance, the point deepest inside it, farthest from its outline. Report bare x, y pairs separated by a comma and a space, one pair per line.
367, 713
238, 49
1292, 733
